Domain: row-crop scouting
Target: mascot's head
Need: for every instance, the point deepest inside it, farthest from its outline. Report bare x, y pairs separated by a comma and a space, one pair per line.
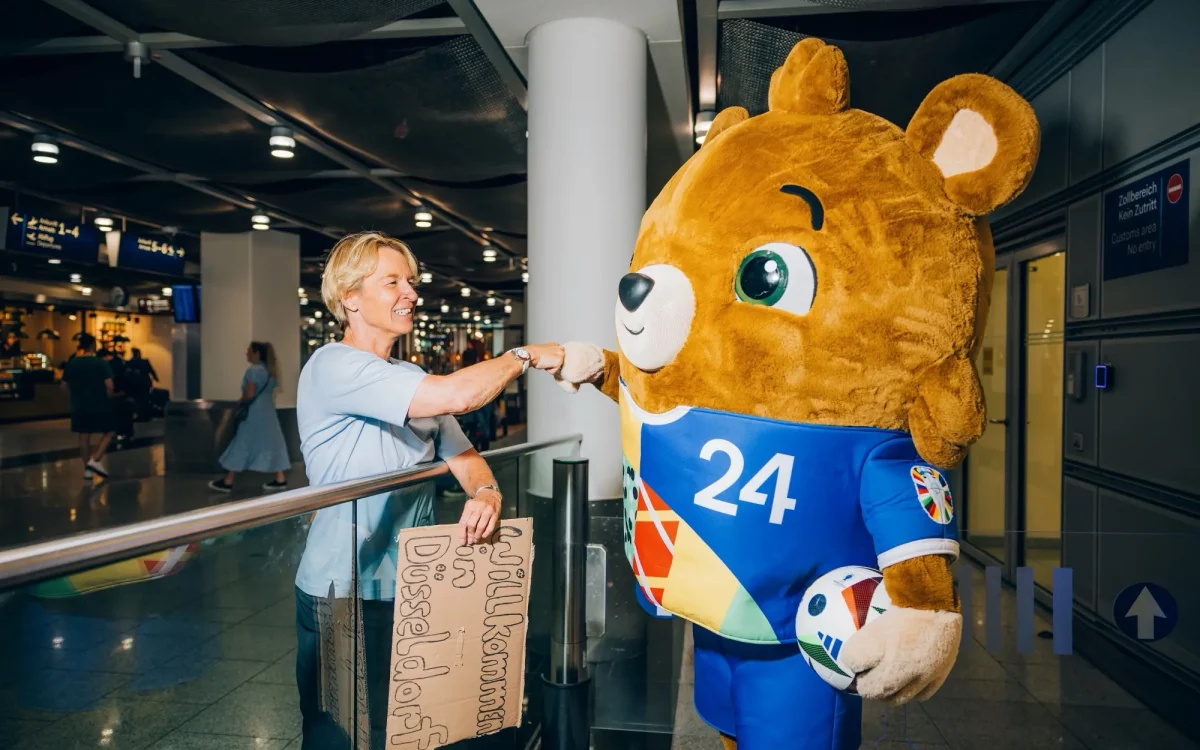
818, 264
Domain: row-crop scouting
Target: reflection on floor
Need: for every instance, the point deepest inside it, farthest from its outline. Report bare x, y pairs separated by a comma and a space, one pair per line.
26, 443
1001, 701
51, 500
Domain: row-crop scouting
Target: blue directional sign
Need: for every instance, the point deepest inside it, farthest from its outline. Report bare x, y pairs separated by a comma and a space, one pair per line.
1145, 612
51, 237
147, 254
1146, 223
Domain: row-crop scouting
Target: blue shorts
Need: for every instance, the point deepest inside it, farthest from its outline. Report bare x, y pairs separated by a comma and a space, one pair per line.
767, 697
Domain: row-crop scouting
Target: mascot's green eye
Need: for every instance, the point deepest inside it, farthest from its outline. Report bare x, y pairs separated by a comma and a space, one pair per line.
763, 278
778, 275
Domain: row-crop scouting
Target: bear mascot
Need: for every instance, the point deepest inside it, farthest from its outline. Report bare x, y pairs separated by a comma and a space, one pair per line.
796, 373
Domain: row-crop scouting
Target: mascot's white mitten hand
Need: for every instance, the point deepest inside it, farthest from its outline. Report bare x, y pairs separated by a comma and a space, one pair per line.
903, 654
582, 363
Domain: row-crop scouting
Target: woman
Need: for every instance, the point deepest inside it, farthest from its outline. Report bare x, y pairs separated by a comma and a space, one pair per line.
258, 444
361, 413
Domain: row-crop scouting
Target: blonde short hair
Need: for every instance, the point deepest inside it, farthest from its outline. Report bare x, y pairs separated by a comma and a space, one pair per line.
351, 260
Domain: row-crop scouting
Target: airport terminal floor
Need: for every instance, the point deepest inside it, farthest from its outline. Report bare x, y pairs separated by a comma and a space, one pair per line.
202, 657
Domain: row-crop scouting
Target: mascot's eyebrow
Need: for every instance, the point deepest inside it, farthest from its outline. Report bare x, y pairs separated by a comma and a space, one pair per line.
814, 203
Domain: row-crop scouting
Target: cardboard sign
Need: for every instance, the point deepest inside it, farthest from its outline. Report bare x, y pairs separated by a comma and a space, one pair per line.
339, 622
458, 649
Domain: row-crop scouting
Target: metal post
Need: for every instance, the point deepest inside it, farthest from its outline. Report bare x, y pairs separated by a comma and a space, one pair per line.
565, 689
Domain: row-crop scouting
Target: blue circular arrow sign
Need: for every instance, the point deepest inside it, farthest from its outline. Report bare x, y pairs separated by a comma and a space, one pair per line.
1145, 612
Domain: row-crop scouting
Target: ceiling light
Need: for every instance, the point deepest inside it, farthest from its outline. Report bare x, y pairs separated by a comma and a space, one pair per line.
53, 261
301, 292
167, 291
704, 122
426, 277
303, 301
525, 277
466, 314
424, 224
72, 316
104, 222
260, 221
76, 278
489, 253
86, 291
466, 292
45, 150
445, 307
508, 308
317, 314
491, 301
312, 321
424, 318
487, 321
420, 216
283, 145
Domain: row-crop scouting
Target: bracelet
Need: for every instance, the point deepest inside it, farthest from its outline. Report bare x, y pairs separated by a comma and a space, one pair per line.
491, 487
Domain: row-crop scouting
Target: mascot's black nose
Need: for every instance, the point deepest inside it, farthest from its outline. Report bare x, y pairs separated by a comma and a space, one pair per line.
633, 290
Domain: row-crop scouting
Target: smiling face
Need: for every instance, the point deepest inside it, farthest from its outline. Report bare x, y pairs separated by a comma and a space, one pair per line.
385, 299
818, 264
813, 286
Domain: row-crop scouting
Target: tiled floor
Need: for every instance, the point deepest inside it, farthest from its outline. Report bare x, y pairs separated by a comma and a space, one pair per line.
25, 443
1001, 701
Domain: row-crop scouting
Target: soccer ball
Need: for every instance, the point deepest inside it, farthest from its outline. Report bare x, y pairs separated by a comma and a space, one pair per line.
833, 609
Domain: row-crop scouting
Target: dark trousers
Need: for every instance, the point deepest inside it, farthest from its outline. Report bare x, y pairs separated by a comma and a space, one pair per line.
321, 732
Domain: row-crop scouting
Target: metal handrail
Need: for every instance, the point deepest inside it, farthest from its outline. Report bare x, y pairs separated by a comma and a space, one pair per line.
59, 557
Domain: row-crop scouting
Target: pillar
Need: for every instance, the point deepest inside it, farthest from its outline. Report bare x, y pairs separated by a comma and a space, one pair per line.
587, 193
248, 293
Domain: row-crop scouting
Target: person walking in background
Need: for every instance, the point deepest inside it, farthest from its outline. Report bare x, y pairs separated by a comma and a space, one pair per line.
258, 444
88, 381
140, 379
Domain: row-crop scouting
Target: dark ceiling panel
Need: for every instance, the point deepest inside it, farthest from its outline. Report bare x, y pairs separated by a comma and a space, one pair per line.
451, 252
75, 170
442, 112
501, 207
263, 22
895, 58
27, 22
159, 118
177, 205
351, 204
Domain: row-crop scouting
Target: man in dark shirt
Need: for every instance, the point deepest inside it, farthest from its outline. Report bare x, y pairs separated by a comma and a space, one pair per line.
11, 347
89, 381
140, 378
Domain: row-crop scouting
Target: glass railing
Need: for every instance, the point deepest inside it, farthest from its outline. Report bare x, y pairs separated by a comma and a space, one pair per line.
191, 631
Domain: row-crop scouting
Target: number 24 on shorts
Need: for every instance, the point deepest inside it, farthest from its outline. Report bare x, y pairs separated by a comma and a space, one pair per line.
780, 465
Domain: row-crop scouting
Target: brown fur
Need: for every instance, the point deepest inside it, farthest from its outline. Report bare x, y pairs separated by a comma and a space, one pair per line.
904, 263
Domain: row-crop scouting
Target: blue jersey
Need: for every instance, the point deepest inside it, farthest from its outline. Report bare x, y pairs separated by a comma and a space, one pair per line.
729, 517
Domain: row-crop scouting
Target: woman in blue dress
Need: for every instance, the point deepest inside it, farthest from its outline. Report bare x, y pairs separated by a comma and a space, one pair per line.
258, 444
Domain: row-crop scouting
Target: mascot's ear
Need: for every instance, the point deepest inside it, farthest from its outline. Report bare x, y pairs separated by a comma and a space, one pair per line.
726, 119
814, 80
982, 136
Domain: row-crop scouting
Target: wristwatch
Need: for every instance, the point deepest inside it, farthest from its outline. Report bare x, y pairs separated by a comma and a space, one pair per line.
522, 354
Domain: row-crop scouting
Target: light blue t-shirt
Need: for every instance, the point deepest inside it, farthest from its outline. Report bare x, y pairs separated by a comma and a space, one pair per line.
352, 412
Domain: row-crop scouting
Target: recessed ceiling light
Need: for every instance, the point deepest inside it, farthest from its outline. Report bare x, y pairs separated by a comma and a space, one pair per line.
283, 145
423, 216
45, 150
424, 224
53, 261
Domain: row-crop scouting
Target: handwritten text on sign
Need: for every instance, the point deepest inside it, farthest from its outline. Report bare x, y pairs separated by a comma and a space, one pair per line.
458, 650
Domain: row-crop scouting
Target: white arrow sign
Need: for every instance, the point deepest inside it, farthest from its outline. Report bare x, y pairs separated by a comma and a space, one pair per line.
1145, 609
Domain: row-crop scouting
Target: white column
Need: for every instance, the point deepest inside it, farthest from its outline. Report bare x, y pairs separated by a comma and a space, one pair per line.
248, 286
587, 193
